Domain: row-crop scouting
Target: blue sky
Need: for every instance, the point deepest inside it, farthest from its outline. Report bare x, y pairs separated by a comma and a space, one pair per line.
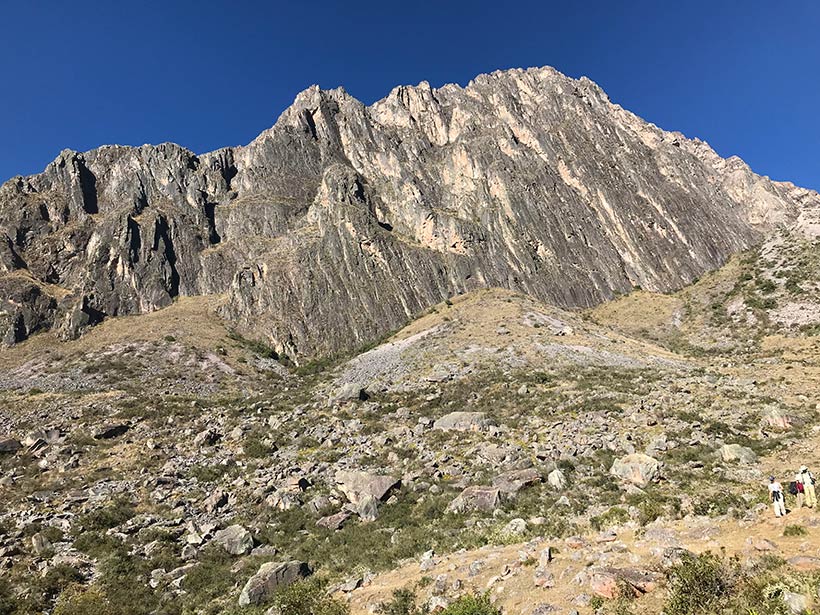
743, 75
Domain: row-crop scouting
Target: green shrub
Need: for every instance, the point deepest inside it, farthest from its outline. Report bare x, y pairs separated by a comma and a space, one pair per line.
116, 513
699, 584
472, 604
254, 446
77, 600
404, 602
308, 598
795, 530
706, 584
614, 516
8, 603
720, 503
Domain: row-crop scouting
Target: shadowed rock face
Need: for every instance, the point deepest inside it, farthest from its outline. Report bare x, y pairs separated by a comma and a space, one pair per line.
341, 221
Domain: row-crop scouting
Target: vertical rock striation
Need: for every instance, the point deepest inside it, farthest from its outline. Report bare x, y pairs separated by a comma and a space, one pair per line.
342, 220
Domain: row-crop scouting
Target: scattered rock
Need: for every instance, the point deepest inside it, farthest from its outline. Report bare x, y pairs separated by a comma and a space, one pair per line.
107, 432
606, 582
484, 499
269, 578
334, 522
463, 421
350, 391
357, 485
557, 479
637, 468
10, 445
368, 508
737, 453
796, 603
512, 482
235, 539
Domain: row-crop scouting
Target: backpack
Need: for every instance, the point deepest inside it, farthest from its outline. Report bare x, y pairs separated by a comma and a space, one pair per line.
793, 488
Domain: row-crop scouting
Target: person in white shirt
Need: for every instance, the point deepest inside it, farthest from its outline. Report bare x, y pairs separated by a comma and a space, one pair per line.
806, 479
777, 497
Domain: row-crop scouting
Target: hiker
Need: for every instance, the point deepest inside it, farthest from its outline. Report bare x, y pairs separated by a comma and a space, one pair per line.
805, 479
778, 499
796, 489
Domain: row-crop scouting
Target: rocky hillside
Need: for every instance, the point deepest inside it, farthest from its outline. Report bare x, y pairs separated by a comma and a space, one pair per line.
164, 464
342, 221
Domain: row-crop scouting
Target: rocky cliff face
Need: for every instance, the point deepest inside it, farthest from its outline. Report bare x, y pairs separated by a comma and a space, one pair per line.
342, 220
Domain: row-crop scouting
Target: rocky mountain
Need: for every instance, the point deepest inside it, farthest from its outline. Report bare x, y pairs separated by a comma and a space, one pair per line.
342, 221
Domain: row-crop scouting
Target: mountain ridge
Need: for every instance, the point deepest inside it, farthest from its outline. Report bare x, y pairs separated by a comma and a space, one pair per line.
349, 219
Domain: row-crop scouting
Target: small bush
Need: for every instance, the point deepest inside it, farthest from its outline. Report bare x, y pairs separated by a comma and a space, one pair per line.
472, 604
8, 603
77, 600
707, 584
698, 585
116, 513
404, 602
795, 530
308, 598
614, 516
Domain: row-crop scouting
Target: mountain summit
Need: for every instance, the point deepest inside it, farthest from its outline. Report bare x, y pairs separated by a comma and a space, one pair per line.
341, 221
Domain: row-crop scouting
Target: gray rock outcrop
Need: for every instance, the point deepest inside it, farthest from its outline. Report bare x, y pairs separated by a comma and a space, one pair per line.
341, 221
637, 468
359, 485
269, 578
462, 421
735, 453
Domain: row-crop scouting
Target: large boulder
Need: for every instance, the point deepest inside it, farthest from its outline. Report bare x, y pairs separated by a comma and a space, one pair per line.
349, 391
10, 445
357, 485
483, 499
463, 421
637, 468
557, 479
735, 453
235, 539
512, 482
270, 577
610, 582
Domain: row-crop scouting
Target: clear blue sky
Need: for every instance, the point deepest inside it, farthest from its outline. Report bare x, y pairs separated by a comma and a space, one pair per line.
743, 75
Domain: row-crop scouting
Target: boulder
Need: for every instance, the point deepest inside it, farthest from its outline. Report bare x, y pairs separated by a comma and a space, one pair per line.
270, 577
368, 508
608, 582
334, 522
637, 468
10, 445
107, 432
40, 544
483, 499
735, 453
557, 479
512, 482
796, 603
350, 391
804, 562
776, 419
235, 539
207, 437
463, 421
357, 485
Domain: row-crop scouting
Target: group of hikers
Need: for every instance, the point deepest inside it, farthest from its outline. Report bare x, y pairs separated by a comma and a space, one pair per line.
802, 487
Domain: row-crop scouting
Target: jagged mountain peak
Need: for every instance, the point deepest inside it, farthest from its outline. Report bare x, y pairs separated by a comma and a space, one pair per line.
343, 220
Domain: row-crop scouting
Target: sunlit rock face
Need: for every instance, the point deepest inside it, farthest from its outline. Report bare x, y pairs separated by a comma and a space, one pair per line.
342, 220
